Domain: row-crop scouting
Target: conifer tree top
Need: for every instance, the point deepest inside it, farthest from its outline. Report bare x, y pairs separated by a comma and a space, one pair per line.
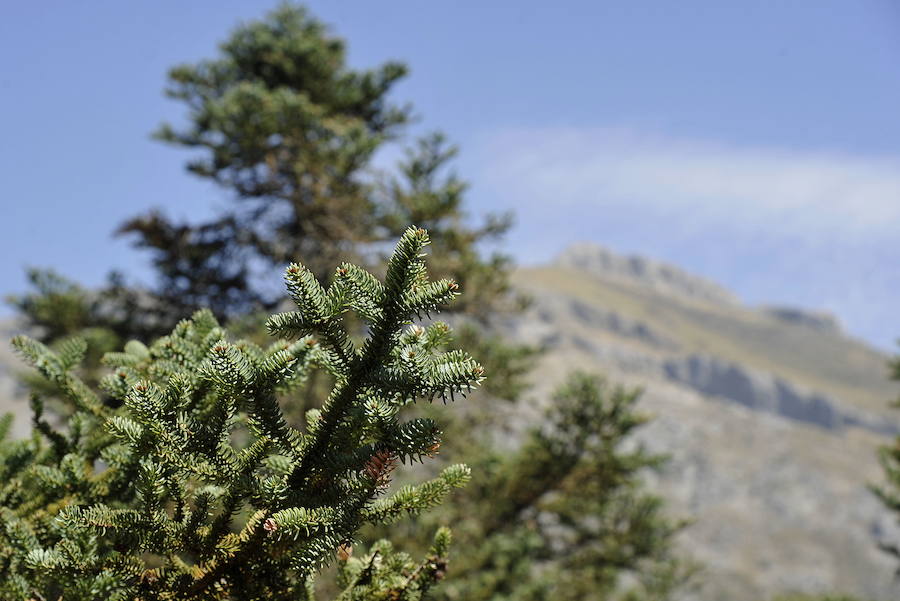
196, 487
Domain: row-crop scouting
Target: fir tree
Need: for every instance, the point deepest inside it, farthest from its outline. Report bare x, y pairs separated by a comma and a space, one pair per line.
288, 130
287, 127
195, 487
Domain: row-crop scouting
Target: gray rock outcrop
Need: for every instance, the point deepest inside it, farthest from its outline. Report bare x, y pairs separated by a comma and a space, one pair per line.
817, 320
762, 391
658, 276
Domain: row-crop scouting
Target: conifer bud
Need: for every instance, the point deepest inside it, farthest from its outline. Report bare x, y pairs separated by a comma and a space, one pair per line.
380, 466
270, 526
345, 551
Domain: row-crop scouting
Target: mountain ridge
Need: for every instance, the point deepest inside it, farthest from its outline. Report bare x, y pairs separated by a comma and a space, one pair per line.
667, 277
639, 269
772, 417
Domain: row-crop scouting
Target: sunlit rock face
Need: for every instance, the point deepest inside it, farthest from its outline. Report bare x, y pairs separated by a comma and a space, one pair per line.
771, 416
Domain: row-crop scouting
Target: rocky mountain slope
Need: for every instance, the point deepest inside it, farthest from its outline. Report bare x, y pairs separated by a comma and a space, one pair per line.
772, 417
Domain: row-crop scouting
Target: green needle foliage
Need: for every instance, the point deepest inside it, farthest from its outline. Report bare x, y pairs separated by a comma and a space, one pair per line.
57, 309
426, 191
195, 486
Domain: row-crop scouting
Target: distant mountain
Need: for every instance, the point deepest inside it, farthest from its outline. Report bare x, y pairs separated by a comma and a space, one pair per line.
771, 415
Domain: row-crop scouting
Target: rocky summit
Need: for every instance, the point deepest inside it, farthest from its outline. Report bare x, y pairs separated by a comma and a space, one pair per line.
771, 416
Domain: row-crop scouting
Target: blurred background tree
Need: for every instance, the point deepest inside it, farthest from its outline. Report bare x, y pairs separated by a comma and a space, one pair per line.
290, 131
563, 516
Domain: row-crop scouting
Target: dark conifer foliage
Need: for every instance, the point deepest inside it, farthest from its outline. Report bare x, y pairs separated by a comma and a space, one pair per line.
289, 131
286, 127
195, 487
196, 266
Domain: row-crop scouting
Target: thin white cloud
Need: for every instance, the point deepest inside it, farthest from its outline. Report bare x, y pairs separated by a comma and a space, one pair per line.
790, 191
814, 229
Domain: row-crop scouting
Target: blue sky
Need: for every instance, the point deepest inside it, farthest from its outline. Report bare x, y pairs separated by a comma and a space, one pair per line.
756, 143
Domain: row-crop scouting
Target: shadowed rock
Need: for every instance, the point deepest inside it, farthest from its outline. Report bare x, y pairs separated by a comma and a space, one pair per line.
764, 392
